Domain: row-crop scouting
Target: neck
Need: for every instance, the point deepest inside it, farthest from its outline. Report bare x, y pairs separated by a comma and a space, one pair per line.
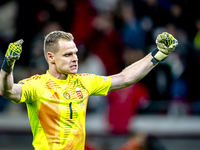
58, 75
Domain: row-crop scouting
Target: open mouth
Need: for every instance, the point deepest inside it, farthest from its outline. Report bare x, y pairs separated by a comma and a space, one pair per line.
73, 66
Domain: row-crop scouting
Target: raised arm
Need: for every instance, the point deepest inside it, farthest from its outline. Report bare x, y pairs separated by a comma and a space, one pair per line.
166, 43
132, 73
7, 87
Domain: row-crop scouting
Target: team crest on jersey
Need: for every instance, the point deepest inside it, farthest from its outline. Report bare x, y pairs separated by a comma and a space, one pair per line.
66, 95
79, 93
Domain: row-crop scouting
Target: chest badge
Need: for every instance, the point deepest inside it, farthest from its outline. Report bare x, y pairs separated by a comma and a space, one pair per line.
66, 95
79, 93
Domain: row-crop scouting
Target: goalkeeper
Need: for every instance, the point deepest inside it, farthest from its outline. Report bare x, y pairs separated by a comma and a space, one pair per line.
57, 101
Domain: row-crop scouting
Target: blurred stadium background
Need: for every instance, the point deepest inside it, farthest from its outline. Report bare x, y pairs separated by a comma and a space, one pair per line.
161, 112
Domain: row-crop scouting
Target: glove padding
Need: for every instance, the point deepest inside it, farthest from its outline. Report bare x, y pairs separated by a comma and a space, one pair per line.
166, 44
12, 54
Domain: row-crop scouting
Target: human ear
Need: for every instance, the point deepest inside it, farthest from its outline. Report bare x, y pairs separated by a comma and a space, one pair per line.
50, 57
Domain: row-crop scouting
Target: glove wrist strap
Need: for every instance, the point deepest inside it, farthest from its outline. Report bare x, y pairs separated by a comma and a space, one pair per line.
7, 67
158, 56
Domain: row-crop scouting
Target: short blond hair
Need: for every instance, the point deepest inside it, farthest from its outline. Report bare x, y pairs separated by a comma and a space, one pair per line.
51, 40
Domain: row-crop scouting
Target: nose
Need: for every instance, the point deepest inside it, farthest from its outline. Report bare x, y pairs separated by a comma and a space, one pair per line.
75, 58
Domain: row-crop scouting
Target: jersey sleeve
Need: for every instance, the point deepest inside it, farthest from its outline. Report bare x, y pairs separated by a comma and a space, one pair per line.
97, 85
31, 89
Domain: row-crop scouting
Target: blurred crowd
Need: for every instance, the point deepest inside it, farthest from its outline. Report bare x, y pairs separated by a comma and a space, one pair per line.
110, 35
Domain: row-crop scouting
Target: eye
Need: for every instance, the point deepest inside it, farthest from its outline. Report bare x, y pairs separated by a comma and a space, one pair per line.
67, 54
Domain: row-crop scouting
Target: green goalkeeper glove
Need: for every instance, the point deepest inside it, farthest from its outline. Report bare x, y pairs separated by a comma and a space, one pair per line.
166, 44
12, 54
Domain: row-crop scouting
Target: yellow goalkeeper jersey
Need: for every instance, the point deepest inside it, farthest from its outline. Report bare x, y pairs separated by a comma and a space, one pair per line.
57, 108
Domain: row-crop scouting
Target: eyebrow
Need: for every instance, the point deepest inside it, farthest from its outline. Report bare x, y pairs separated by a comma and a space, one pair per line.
71, 51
